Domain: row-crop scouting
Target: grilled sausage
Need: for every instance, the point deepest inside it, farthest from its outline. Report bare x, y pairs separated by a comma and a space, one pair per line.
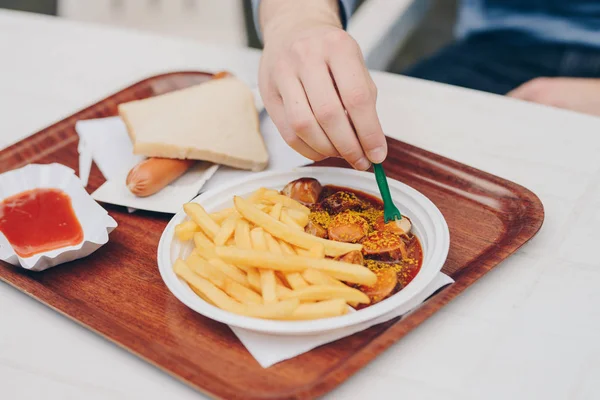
346, 227
315, 230
340, 202
303, 190
153, 174
387, 279
354, 257
400, 226
384, 246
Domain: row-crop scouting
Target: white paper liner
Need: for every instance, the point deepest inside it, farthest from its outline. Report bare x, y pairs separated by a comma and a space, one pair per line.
106, 142
272, 349
168, 200
95, 221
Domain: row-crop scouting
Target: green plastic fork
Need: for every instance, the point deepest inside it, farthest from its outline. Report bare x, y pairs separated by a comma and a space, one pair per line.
390, 211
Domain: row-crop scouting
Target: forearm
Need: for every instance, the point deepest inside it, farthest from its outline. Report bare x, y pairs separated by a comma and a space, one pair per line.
277, 14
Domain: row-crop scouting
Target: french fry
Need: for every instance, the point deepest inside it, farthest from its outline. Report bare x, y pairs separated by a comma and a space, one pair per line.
277, 310
230, 242
222, 300
222, 215
346, 272
231, 271
268, 286
185, 230
257, 195
257, 238
300, 217
202, 241
279, 277
210, 291
286, 248
263, 196
322, 309
287, 234
227, 229
206, 248
197, 213
293, 279
286, 219
207, 252
201, 295
278, 247
281, 290
267, 277
241, 293
254, 279
192, 254
328, 292
182, 268
276, 211
264, 207
242, 234
315, 277
317, 251
288, 202
203, 268
197, 264
273, 244
303, 252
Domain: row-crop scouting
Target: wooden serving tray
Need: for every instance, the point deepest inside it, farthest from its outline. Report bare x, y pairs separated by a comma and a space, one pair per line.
118, 293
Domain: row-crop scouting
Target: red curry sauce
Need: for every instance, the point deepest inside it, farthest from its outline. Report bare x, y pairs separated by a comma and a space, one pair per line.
39, 220
407, 267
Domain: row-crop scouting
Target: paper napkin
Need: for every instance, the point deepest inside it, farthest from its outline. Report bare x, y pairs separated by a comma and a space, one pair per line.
105, 140
168, 200
271, 349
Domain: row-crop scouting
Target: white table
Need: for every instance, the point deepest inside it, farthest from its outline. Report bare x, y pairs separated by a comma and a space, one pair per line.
529, 329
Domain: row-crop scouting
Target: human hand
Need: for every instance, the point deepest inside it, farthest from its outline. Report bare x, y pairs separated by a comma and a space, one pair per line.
315, 85
575, 94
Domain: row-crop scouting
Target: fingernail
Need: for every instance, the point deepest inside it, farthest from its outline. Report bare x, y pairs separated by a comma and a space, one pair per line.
377, 155
363, 164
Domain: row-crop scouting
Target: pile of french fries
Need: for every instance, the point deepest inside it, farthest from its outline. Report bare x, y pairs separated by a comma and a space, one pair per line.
255, 259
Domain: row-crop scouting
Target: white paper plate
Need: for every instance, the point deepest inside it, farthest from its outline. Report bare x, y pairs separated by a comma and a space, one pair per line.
95, 221
429, 226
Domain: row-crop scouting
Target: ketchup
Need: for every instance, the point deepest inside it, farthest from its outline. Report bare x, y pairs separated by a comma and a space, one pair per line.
39, 220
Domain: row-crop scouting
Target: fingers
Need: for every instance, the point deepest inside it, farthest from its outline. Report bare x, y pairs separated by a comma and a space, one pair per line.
300, 117
330, 114
277, 113
321, 96
521, 92
358, 95
529, 90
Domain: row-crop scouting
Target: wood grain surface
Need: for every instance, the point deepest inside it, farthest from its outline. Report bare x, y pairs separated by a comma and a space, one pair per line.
118, 293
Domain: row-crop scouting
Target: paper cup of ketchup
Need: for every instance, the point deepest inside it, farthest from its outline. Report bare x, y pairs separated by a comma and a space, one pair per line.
47, 218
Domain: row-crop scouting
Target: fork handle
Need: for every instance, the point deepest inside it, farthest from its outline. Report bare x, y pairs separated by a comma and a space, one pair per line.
384, 189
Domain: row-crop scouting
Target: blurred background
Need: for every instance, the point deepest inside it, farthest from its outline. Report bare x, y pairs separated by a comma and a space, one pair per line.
229, 22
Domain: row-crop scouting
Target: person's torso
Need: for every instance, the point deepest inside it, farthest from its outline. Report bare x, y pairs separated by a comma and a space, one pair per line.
557, 21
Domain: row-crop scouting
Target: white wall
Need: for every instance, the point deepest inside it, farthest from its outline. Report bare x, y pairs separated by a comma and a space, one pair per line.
211, 21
